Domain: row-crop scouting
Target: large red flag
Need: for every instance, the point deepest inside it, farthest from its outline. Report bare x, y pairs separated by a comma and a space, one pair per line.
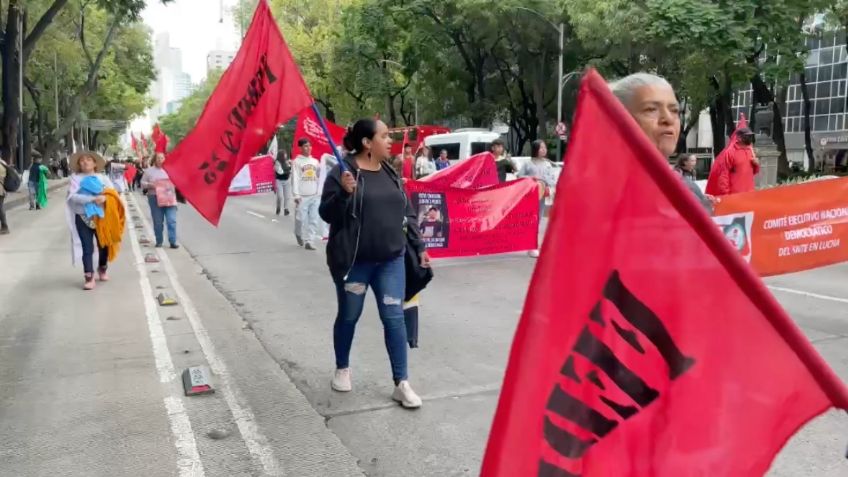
647, 347
261, 89
308, 127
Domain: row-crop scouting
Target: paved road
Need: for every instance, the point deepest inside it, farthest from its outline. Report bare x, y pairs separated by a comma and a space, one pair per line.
88, 385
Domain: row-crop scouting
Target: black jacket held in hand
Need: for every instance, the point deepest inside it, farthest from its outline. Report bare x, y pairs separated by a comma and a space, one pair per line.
343, 212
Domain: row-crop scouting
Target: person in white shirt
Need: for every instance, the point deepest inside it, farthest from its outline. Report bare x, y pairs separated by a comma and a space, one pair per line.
541, 169
306, 179
424, 165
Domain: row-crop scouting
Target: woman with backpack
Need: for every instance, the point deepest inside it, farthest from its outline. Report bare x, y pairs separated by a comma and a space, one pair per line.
371, 222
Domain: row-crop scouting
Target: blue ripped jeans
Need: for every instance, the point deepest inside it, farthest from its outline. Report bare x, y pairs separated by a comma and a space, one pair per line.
388, 279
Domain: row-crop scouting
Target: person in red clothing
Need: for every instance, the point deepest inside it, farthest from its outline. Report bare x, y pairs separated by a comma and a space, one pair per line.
405, 164
734, 169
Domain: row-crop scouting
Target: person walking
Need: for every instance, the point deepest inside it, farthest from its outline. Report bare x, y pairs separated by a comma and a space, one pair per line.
282, 176
129, 175
307, 199
371, 223
162, 197
540, 168
86, 203
4, 226
37, 185
651, 100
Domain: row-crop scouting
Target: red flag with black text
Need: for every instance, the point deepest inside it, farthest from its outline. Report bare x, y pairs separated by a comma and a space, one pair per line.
647, 346
261, 89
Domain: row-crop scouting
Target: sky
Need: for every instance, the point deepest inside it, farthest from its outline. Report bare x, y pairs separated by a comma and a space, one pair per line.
195, 28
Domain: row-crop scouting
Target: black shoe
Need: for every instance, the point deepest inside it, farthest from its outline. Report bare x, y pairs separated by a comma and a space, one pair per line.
285, 212
309, 246
31, 208
4, 231
158, 245
174, 246
299, 241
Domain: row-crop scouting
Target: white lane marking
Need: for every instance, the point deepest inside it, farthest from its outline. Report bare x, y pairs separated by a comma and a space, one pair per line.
189, 463
255, 441
250, 212
810, 295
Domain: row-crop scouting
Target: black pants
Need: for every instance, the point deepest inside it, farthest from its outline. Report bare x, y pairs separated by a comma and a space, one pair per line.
88, 237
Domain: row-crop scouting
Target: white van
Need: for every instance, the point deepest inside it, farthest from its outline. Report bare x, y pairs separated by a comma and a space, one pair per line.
462, 143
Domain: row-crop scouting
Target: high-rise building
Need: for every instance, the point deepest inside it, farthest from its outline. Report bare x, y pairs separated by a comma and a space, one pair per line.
172, 83
219, 60
826, 74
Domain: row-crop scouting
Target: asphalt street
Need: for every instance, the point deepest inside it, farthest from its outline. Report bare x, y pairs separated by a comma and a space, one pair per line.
89, 382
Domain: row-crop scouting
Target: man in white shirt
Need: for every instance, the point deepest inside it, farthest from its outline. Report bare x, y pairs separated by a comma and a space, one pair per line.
306, 176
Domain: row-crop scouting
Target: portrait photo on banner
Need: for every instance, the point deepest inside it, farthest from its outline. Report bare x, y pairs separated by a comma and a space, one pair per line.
432, 218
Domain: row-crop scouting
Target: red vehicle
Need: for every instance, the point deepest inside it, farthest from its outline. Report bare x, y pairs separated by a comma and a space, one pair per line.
413, 135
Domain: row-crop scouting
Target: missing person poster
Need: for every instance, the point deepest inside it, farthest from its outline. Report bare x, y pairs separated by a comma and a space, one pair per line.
458, 222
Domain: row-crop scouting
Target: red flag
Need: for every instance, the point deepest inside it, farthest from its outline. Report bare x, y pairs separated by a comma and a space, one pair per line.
715, 171
308, 127
261, 89
161, 143
134, 143
647, 347
143, 143
156, 133
476, 172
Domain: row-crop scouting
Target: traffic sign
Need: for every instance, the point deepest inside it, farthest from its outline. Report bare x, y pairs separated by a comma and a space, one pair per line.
561, 130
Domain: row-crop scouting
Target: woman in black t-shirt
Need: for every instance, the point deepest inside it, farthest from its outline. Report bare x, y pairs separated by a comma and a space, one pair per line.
370, 222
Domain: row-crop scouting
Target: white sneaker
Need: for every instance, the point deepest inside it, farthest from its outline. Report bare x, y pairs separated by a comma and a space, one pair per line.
341, 380
533, 253
406, 396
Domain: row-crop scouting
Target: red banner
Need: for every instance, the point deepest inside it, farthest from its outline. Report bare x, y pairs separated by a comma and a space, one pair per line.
790, 228
647, 347
476, 172
256, 177
261, 89
308, 127
465, 222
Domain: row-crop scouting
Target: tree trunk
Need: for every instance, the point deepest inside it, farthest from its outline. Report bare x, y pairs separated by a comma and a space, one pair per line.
805, 105
777, 131
11, 87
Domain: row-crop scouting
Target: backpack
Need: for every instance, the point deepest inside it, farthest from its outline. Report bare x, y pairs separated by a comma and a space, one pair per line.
13, 180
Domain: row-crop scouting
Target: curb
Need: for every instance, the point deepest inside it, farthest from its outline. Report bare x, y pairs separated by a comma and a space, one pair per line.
16, 199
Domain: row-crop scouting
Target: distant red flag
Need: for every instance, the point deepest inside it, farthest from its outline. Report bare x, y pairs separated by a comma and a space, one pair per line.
161, 143
617, 368
134, 143
261, 89
157, 132
308, 127
143, 143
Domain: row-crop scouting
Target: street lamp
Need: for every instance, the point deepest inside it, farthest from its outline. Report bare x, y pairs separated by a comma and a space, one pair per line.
561, 30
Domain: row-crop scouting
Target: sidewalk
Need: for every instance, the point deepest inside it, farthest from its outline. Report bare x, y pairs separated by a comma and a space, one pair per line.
21, 197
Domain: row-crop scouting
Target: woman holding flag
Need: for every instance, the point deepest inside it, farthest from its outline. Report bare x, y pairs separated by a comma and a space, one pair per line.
371, 222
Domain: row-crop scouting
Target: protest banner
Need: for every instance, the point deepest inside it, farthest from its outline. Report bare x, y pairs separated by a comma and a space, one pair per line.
476, 172
788, 229
458, 222
257, 176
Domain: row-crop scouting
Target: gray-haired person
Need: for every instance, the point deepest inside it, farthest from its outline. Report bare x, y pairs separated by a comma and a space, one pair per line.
651, 101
